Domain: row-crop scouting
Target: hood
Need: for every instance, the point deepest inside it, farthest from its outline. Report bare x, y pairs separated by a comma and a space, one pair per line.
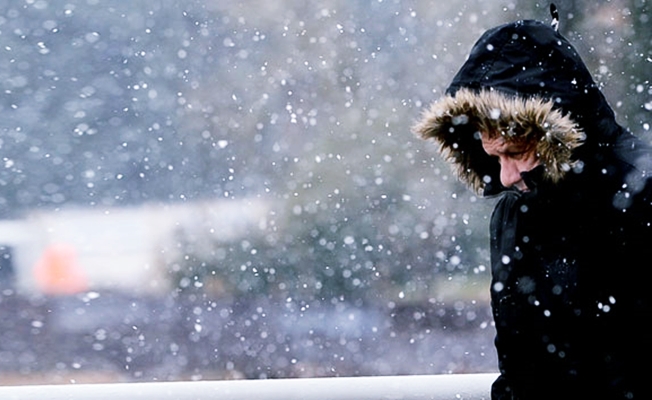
455, 122
522, 79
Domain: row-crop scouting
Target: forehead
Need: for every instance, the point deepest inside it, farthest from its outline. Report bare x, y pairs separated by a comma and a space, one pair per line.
497, 144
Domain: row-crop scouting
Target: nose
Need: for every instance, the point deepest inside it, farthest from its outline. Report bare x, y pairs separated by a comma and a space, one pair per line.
510, 174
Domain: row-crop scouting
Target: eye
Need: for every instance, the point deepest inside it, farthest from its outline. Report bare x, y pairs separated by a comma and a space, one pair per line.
516, 155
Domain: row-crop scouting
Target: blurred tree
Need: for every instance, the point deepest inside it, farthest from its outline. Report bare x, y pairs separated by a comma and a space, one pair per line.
637, 61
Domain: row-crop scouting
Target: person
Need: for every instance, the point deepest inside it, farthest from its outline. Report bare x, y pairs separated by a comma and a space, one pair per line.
524, 123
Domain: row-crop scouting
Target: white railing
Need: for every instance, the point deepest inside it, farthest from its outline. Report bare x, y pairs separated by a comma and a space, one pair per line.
421, 387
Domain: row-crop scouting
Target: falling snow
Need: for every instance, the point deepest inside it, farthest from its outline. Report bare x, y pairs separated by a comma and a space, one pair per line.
285, 221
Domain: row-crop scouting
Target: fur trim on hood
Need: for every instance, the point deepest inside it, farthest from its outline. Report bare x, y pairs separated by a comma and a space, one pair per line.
455, 123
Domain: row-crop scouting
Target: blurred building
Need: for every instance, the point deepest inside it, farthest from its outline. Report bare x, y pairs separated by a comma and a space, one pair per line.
67, 251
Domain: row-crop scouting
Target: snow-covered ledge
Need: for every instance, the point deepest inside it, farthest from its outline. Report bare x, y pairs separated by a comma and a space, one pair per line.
432, 387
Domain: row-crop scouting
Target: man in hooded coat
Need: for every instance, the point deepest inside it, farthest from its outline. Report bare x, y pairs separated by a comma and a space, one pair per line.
571, 245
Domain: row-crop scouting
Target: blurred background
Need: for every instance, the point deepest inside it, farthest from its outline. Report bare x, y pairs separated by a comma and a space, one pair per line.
214, 189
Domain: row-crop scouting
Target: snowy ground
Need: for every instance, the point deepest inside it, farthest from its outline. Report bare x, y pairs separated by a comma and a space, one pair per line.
114, 337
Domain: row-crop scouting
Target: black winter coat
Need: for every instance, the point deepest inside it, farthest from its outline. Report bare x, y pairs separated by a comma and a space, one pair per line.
570, 293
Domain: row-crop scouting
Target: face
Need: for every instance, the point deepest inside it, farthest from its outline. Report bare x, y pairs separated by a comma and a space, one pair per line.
514, 158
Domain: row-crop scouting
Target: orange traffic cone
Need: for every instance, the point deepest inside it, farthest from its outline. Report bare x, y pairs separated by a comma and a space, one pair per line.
57, 271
